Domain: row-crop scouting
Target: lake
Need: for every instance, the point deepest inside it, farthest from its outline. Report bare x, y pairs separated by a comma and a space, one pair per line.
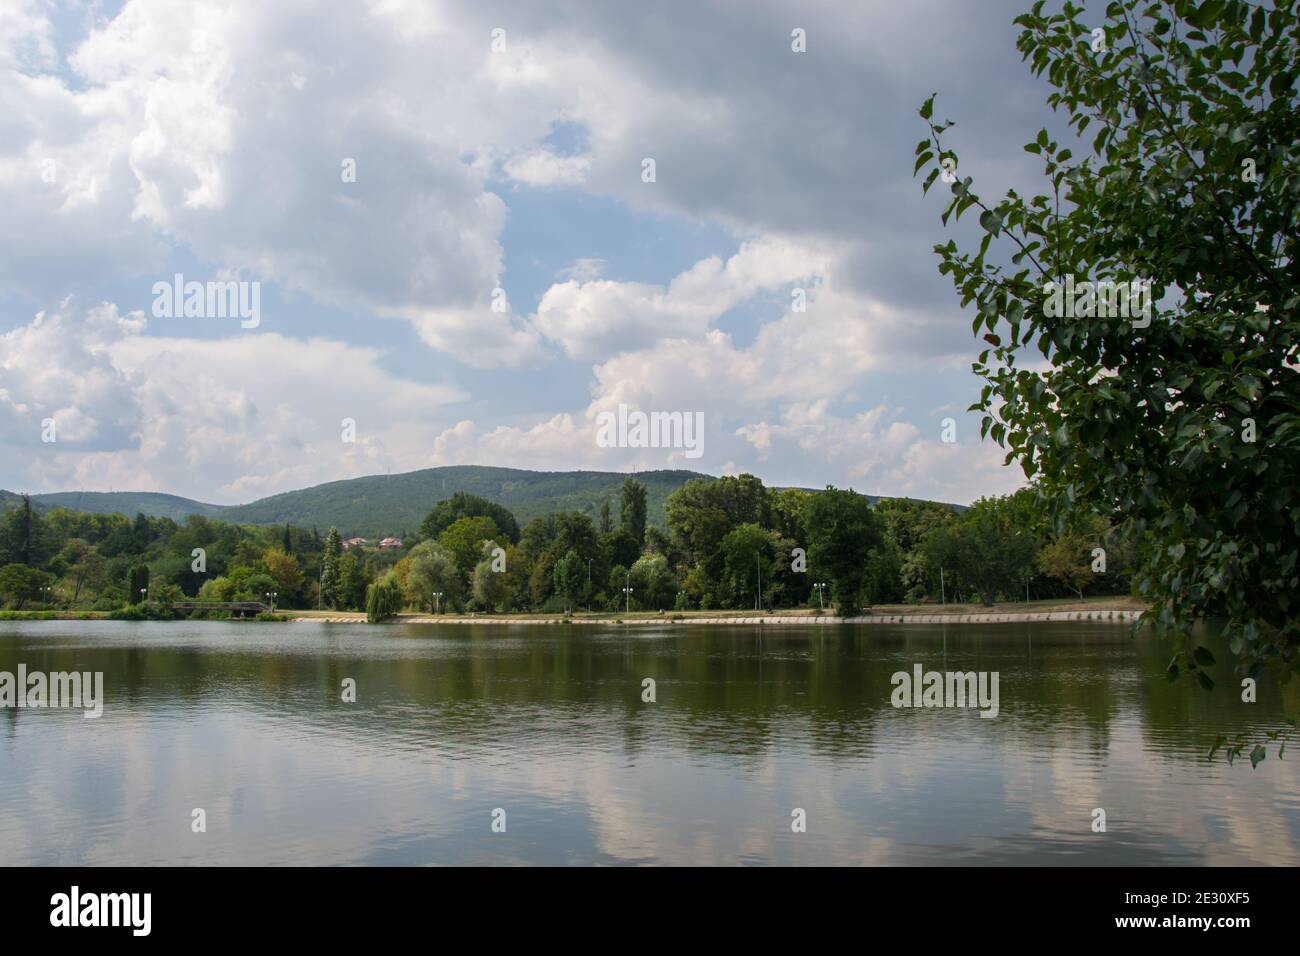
543, 728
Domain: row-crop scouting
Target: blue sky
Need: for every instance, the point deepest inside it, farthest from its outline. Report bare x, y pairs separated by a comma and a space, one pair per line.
143, 139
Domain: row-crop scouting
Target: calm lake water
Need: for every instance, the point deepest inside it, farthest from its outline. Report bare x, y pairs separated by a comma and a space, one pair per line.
548, 724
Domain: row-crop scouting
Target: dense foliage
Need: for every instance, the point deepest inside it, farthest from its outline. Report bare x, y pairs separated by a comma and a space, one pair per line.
1180, 425
729, 543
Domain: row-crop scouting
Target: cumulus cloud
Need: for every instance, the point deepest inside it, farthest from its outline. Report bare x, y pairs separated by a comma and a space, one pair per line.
542, 167
58, 368
599, 317
270, 150
233, 418
227, 133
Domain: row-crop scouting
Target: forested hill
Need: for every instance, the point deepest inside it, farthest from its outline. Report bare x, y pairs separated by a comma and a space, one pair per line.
129, 503
391, 504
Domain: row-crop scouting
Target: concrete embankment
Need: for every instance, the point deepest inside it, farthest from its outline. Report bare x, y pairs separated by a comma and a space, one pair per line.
1114, 615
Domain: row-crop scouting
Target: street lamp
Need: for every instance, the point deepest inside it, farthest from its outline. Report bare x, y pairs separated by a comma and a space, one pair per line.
628, 591
272, 595
143, 592
820, 588
437, 601
758, 595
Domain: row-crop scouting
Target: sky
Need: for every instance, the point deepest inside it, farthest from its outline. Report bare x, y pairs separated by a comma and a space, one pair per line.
445, 209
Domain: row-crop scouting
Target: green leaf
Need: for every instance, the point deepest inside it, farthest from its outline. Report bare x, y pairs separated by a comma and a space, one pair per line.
1203, 657
1256, 755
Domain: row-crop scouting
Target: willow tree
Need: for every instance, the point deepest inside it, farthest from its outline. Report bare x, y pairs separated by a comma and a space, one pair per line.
1179, 420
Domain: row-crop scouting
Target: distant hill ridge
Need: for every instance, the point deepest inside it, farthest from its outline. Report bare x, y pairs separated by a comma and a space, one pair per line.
392, 504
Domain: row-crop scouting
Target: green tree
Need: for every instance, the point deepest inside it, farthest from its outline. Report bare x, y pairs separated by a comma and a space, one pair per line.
749, 552
354, 578
786, 507
82, 563
632, 510
570, 578
329, 569
20, 584
619, 578
703, 511
431, 572
883, 583
250, 584
138, 584
990, 551
491, 584
1182, 424
619, 547
218, 590
463, 540
842, 531
653, 585
288, 575
22, 538
163, 596
1068, 558
908, 521
463, 505
383, 599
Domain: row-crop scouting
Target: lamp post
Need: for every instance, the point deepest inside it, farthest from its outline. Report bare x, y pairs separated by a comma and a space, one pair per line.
589, 560
758, 595
45, 598
272, 595
628, 591
437, 602
820, 588
143, 593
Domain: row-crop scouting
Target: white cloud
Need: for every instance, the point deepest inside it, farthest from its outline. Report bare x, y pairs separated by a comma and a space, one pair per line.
26, 34
217, 130
541, 167
597, 318
58, 367
224, 128
878, 453
233, 418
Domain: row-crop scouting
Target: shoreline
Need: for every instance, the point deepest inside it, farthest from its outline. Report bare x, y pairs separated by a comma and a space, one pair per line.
1115, 615
1102, 610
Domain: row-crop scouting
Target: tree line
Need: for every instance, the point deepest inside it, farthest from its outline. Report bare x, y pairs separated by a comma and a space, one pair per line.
730, 543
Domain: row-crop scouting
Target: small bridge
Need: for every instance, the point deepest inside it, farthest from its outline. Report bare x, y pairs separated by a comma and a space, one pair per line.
236, 608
